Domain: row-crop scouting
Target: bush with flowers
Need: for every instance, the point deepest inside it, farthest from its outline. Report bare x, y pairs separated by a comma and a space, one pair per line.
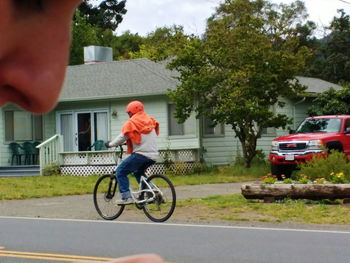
334, 168
269, 179
302, 179
320, 181
332, 178
338, 178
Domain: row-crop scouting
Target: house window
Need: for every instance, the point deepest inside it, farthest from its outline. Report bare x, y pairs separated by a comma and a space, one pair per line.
176, 128
82, 128
347, 124
23, 126
210, 129
271, 131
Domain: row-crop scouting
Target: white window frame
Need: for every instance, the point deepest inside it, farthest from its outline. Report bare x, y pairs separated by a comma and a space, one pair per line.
188, 125
75, 122
219, 129
28, 122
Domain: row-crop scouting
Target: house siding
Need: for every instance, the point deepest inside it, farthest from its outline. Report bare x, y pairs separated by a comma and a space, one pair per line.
225, 149
3, 153
220, 150
156, 107
49, 122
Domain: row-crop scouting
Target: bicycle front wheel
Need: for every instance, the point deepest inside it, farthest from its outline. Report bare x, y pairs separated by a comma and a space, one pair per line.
105, 196
162, 198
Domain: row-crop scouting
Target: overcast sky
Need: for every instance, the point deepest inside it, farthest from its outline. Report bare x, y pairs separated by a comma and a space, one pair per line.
145, 16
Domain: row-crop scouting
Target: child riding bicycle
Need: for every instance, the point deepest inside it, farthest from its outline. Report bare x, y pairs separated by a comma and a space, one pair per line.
139, 133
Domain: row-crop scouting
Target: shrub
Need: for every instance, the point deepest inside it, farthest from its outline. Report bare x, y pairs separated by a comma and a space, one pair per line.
201, 168
51, 169
338, 178
327, 167
269, 179
287, 181
259, 159
303, 179
320, 181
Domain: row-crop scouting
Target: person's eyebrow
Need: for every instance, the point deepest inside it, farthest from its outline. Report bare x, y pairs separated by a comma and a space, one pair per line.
31, 5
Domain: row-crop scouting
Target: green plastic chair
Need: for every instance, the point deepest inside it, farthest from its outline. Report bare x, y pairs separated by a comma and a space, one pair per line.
29, 153
98, 145
16, 153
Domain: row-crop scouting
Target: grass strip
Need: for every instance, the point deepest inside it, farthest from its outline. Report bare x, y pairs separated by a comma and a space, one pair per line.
236, 208
48, 186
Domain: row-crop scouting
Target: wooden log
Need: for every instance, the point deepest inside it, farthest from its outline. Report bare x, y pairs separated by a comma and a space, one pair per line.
296, 191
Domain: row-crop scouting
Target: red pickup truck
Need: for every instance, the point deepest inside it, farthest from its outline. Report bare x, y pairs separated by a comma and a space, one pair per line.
312, 136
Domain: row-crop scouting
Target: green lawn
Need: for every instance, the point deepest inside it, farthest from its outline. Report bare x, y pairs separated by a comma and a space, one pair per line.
236, 208
47, 186
231, 207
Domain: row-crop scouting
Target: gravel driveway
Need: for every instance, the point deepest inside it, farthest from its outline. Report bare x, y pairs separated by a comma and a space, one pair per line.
81, 206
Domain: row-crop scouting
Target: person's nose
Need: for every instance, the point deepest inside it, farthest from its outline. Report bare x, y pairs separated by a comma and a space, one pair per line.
33, 56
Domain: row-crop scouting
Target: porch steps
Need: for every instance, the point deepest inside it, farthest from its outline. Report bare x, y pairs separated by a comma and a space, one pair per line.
21, 170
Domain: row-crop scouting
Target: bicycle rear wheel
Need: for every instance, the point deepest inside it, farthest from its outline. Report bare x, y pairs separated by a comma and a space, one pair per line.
105, 196
162, 205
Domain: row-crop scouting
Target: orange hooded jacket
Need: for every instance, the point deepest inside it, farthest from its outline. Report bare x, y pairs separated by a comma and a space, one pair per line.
139, 123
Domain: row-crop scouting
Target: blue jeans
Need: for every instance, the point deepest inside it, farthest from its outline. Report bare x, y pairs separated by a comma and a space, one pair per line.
136, 164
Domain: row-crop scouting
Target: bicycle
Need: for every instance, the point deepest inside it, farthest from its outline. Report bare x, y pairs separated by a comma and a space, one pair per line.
155, 195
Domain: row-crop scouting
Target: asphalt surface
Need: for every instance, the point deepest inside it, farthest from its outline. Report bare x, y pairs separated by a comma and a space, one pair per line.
51, 239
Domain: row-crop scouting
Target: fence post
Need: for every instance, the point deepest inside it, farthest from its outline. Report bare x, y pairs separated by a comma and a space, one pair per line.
49, 151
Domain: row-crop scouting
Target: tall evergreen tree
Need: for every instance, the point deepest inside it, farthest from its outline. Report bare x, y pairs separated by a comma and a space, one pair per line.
107, 15
332, 61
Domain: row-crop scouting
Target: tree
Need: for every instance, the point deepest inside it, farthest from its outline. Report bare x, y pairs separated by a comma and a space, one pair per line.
83, 34
127, 44
333, 55
331, 102
163, 43
107, 15
338, 49
94, 25
245, 64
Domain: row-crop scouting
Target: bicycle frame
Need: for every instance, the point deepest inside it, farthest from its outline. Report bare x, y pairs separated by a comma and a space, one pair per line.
142, 184
157, 205
150, 189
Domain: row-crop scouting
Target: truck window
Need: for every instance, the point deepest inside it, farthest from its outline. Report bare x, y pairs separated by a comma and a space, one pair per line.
319, 125
347, 124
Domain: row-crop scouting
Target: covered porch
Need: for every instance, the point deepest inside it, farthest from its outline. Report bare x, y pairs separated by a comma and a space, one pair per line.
86, 163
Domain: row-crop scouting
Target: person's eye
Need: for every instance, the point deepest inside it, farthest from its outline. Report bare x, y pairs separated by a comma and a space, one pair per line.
32, 5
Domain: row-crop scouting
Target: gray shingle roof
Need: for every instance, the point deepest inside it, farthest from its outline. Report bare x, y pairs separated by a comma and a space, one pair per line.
117, 79
138, 77
317, 85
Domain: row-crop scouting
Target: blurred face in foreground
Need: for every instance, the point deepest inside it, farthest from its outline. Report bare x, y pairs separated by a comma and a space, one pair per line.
34, 46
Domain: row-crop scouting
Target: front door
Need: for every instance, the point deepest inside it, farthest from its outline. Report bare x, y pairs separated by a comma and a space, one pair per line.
83, 135
80, 129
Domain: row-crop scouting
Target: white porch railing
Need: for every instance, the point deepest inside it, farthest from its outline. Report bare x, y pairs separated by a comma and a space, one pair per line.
49, 151
102, 162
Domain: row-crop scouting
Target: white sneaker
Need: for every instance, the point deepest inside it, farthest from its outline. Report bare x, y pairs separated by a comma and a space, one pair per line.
125, 201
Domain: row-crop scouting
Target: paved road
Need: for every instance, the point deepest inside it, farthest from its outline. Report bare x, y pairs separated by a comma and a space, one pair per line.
178, 243
174, 242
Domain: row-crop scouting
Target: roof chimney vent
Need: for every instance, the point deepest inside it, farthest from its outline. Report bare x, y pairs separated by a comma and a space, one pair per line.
95, 54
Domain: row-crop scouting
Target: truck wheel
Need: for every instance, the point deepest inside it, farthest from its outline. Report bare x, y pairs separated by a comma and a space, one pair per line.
334, 145
278, 170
